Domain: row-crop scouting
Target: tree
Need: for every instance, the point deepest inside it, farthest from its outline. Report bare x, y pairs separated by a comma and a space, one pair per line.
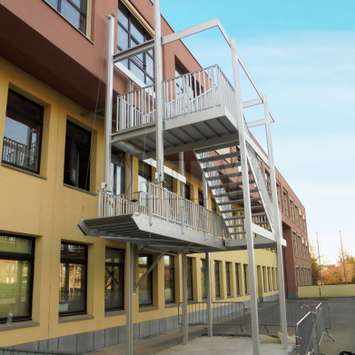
315, 267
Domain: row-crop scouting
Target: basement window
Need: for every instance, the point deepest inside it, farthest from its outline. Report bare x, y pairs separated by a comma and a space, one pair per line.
23, 133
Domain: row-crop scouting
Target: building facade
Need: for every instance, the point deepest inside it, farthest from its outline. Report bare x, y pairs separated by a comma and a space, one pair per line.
61, 290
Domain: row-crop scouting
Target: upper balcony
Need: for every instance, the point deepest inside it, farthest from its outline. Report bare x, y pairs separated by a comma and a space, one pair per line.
198, 111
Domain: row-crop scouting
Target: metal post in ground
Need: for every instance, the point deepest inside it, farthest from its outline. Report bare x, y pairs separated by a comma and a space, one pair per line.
158, 66
185, 319
209, 295
247, 205
109, 97
277, 227
129, 296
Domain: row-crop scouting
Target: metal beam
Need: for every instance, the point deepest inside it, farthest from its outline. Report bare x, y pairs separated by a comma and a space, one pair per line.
256, 123
129, 297
109, 98
209, 296
277, 229
196, 29
158, 66
130, 52
247, 205
185, 319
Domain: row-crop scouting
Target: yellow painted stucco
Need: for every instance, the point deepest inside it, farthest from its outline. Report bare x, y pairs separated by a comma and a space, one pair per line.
43, 207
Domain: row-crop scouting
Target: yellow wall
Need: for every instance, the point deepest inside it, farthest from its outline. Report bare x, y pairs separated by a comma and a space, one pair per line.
347, 290
43, 207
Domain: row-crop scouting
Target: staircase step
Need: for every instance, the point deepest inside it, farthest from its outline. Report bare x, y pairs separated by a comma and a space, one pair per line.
219, 177
233, 193
234, 218
231, 186
221, 167
229, 202
216, 147
219, 157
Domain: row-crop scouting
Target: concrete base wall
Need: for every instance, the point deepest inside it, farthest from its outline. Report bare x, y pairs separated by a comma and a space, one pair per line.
347, 290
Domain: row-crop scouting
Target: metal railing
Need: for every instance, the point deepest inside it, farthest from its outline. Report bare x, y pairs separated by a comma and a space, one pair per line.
185, 94
162, 203
222, 311
20, 154
311, 328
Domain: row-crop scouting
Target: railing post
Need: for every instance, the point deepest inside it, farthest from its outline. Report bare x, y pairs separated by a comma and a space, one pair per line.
158, 66
209, 296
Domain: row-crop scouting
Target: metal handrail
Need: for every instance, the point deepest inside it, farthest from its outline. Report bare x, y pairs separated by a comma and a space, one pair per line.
184, 94
162, 203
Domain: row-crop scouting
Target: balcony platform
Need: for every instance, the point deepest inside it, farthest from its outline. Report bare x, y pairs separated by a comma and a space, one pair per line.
161, 235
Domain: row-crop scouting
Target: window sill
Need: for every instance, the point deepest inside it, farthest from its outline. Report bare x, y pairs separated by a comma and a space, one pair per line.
80, 190
170, 305
18, 325
115, 313
143, 309
74, 318
20, 170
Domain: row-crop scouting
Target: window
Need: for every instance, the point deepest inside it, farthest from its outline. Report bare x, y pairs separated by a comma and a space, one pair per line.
168, 182
237, 279
265, 279
228, 279
23, 133
246, 288
118, 173
114, 279
75, 11
188, 191
269, 278
217, 275
201, 200
204, 281
16, 275
144, 176
146, 284
73, 279
169, 275
130, 34
77, 157
190, 288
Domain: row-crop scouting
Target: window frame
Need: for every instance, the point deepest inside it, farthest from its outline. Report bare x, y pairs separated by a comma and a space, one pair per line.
68, 314
120, 264
73, 123
21, 257
41, 108
142, 66
190, 280
172, 271
219, 294
58, 9
150, 275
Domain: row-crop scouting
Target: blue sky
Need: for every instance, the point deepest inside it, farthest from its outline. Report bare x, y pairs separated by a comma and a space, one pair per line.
302, 56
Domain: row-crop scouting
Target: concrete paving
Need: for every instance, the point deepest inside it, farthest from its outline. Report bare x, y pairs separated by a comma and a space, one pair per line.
342, 327
223, 345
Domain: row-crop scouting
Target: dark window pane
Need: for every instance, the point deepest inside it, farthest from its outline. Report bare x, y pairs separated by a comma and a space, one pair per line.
190, 289
169, 275
146, 284
73, 268
201, 201
137, 32
217, 273
77, 157
114, 279
23, 133
71, 13
246, 279
168, 182
204, 278
122, 39
228, 279
16, 274
118, 174
123, 17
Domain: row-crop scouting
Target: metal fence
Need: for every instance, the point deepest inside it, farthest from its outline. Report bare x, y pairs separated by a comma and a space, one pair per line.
311, 329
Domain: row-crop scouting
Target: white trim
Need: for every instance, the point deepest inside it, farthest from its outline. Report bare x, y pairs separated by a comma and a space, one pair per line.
125, 71
168, 171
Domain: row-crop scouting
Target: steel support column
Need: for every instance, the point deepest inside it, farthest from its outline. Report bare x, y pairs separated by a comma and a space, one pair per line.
129, 296
109, 98
185, 319
158, 66
247, 205
277, 228
209, 296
